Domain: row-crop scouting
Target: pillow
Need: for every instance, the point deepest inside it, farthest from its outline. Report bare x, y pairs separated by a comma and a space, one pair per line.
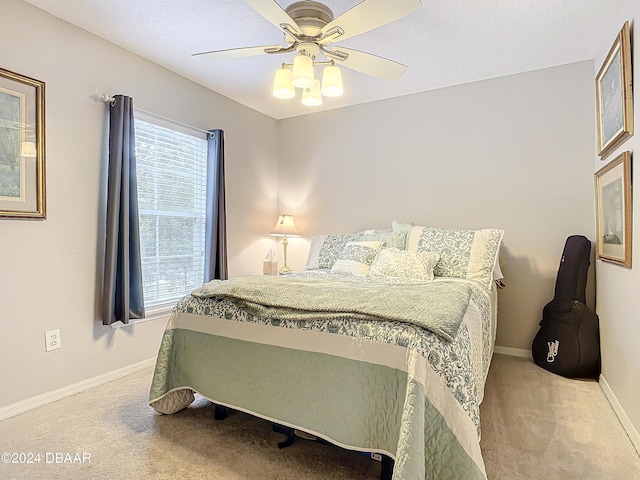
325, 249
469, 254
390, 239
357, 257
395, 263
402, 228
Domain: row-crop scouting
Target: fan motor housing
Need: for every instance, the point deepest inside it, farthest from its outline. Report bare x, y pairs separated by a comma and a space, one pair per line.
310, 16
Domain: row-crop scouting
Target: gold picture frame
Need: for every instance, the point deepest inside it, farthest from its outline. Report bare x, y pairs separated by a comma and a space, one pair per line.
614, 211
22, 149
614, 95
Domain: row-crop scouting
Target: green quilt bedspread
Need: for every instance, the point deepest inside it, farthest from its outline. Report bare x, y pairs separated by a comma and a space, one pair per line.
361, 382
438, 307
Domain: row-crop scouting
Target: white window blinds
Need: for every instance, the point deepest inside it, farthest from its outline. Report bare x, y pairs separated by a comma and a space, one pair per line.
172, 173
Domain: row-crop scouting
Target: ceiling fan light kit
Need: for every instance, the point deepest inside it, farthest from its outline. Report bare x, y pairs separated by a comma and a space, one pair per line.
302, 76
309, 28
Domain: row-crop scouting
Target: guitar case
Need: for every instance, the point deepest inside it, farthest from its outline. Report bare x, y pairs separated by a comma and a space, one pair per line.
568, 342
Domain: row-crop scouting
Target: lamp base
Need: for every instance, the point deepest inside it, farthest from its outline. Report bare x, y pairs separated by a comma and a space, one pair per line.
285, 271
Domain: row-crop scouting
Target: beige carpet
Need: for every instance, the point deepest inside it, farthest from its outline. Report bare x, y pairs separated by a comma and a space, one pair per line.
536, 425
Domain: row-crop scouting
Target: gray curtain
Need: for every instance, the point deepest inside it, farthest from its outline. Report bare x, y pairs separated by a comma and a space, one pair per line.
122, 297
215, 266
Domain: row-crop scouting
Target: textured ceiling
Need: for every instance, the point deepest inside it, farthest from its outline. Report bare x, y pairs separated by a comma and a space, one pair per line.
445, 43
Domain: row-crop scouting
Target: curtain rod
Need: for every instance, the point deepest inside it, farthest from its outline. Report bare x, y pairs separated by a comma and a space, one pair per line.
109, 99
172, 121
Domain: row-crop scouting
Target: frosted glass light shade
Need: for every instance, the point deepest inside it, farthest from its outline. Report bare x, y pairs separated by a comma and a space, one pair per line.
282, 86
332, 81
311, 96
302, 71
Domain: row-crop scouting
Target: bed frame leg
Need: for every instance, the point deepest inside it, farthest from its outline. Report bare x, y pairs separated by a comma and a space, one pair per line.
291, 436
219, 412
288, 442
386, 471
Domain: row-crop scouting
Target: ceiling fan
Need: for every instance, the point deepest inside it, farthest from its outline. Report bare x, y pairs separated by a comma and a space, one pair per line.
309, 29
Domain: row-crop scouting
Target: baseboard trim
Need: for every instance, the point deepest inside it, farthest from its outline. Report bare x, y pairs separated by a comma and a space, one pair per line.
622, 415
513, 352
49, 397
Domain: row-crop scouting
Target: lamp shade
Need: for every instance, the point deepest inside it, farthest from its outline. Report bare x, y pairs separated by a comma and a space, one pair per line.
311, 96
282, 86
28, 149
331, 81
285, 227
302, 71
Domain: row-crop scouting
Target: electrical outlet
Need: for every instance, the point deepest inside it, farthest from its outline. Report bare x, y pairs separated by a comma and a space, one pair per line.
52, 340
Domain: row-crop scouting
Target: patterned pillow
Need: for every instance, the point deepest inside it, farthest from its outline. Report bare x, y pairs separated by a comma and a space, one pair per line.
357, 257
325, 249
404, 264
469, 254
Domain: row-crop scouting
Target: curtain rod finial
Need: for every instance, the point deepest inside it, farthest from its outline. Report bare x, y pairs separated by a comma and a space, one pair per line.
106, 98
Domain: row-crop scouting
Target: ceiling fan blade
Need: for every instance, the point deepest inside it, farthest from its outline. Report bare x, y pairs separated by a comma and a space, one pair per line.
239, 52
273, 12
368, 63
371, 14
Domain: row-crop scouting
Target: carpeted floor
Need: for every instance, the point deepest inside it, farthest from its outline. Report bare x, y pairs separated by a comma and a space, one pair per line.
536, 425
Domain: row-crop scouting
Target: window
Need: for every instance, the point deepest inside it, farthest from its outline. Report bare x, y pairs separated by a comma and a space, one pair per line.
172, 175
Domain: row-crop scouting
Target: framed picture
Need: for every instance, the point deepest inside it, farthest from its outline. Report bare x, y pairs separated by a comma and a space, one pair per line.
614, 95
22, 175
613, 215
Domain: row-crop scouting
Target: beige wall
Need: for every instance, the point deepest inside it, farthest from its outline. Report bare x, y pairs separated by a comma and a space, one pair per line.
510, 153
48, 269
618, 302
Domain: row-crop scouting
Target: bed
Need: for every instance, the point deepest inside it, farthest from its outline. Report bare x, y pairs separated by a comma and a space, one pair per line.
359, 349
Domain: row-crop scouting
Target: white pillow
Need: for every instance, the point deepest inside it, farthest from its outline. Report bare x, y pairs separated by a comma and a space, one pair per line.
405, 264
356, 258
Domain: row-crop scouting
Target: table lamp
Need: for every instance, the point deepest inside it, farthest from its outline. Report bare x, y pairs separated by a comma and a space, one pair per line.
285, 228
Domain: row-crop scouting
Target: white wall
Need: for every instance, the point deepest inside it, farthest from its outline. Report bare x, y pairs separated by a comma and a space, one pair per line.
618, 302
49, 270
510, 153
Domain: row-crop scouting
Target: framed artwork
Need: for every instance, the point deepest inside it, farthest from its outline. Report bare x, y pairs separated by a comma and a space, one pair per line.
613, 215
614, 95
22, 175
